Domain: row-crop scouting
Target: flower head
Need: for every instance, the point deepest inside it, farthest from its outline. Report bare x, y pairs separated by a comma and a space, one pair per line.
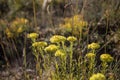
106, 58
60, 53
33, 35
39, 44
97, 76
66, 27
51, 48
93, 46
20, 30
42, 43
35, 44
19, 21
57, 38
71, 38
90, 55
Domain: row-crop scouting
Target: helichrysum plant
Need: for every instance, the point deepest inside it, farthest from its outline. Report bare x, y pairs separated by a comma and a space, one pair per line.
60, 52
39, 46
17, 26
91, 56
65, 66
61, 56
105, 58
38, 50
76, 23
57, 49
33, 36
71, 39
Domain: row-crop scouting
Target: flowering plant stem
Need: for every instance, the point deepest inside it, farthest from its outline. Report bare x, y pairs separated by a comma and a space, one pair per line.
92, 64
57, 70
71, 53
24, 57
104, 67
63, 46
64, 58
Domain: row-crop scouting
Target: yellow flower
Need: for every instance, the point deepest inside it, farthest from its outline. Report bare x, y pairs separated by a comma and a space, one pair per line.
57, 38
23, 20
20, 30
90, 55
93, 46
67, 26
8, 33
19, 21
42, 43
35, 44
106, 58
75, 24
98, 76
60, 53
51, 48
82, 23
75, 18
33, 35
71, 38
39, 44
78, 22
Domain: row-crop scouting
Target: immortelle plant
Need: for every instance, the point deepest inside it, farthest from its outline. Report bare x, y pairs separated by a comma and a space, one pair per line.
60, 55
37, 48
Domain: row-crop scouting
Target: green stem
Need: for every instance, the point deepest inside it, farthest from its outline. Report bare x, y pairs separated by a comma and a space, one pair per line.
42, 54
63, 46
24, 56
71, 53
92, 64
104, 67
57, 70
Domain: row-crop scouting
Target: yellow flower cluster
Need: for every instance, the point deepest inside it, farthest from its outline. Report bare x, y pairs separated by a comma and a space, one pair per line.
77, 22
39, 44
90, 55
60, 53
106, 58
19, 21
98, 76
9, 33
93, 46
33, 35
57, 39
71, 38
51, 48
74, 23
16, 27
